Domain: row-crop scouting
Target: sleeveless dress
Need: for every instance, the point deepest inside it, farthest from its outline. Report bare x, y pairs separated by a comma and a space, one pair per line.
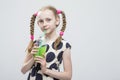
54, 61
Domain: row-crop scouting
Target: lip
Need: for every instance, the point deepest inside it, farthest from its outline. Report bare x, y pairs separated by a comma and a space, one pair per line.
46, 28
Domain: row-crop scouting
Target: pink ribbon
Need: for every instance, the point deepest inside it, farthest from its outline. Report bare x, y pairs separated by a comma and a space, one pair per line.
59, 11
36, 14
61, 33
32, 37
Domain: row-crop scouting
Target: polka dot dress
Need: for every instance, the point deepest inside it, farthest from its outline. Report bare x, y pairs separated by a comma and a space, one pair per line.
53, 61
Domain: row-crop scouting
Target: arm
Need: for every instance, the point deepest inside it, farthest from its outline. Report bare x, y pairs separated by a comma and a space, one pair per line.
67, 74
28, 62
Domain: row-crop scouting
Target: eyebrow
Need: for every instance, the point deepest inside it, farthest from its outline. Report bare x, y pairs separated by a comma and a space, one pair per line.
45, 18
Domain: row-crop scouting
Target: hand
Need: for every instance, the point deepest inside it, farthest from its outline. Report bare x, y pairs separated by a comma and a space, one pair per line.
34, 50
42, 61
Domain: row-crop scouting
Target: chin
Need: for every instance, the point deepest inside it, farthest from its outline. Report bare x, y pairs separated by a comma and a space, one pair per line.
48, 32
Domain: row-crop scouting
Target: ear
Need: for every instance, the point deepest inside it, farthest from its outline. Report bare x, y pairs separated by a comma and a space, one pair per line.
57, 21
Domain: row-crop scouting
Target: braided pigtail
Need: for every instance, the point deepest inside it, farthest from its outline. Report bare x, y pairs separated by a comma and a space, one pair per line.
32, 21
58, 40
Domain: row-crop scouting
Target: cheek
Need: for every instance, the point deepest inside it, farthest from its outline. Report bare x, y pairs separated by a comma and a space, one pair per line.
39, 25
53, 24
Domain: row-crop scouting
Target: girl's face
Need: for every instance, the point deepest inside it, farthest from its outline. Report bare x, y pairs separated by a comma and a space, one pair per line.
47, 21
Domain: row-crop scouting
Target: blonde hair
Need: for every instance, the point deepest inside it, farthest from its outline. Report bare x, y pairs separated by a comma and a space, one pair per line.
32, 21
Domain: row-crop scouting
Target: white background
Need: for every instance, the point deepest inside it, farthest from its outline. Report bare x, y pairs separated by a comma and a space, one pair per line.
93, 29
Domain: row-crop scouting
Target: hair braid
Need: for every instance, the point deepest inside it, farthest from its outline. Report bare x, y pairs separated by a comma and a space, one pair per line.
58, 40
32, 21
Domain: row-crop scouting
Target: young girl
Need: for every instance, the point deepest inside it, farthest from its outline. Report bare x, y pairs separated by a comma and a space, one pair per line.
56, 62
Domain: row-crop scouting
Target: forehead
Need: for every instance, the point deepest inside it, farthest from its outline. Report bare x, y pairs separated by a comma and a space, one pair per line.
46, 14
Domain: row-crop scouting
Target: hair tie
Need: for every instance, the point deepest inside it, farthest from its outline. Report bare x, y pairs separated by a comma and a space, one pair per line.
36, 13
59, 11
61, 33
32, 37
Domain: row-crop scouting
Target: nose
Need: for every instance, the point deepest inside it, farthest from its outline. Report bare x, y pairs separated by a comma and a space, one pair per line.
44, 24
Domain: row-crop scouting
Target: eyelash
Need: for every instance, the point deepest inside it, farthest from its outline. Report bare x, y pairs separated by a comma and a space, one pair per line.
40, 21
48, 20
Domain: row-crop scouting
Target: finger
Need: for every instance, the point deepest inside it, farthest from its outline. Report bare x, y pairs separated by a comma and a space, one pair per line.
37, 61
42, 56
39, 57
34, 51
35, 47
